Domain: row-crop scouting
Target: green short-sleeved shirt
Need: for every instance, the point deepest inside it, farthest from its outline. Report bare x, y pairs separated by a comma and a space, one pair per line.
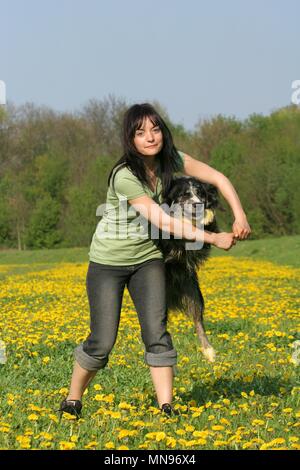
121, 237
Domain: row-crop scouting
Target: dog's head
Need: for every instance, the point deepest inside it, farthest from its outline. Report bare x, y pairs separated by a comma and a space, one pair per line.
187, 194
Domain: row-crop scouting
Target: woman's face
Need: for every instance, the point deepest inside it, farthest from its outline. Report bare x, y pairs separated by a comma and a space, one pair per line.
148, 139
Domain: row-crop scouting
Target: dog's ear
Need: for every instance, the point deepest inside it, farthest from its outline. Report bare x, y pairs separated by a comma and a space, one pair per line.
173, 181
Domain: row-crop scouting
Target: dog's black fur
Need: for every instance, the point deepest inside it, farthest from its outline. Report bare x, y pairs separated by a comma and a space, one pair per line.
183, 290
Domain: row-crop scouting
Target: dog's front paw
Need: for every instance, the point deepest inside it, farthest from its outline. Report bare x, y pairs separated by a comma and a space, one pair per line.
209, 353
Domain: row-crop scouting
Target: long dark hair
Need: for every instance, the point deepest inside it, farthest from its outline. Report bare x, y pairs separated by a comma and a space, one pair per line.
169, 160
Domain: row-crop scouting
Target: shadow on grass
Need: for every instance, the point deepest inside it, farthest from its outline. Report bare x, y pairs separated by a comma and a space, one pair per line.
232, 326
224, 388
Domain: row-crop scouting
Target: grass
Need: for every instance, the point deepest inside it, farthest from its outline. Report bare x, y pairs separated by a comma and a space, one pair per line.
247, 399
280, 250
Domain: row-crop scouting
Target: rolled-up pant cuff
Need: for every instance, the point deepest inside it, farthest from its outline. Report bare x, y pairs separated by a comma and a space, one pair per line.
88, 362
164, 359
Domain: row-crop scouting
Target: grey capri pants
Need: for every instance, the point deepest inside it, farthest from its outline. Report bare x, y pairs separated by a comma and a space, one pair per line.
146, 284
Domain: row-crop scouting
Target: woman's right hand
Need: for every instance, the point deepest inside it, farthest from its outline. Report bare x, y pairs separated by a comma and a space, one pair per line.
224, 240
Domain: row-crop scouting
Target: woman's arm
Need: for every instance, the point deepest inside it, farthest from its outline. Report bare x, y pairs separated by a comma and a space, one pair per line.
207, 174
179, 227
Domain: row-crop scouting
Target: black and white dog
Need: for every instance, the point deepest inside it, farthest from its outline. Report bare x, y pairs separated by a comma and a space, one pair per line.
183, 290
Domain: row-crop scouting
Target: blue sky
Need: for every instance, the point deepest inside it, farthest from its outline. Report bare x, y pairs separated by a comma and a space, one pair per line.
197, 58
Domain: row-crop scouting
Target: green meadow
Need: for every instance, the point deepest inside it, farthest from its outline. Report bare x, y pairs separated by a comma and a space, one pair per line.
247, 399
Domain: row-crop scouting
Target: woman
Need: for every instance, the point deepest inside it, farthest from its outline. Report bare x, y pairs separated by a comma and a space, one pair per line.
120, 255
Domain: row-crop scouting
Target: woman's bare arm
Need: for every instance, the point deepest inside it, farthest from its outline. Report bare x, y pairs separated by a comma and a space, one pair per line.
179, 227
207, 174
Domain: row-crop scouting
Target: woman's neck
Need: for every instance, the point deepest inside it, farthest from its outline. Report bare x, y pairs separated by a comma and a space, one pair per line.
151, 163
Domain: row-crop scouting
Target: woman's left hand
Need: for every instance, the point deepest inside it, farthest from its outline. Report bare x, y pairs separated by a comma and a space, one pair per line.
241, 228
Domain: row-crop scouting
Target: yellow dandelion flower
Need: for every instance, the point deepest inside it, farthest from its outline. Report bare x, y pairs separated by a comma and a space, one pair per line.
33, 407
53, 418
201, 434
91, 445
110, 445
24, 442
182, 442
33, 417
125, 433
138, 424
97, 387
144, 446
46, 435
151, 435
220, 443
201, 442
4, 429
217, 428
258, 422
115, 414
274, 442
264, 447
244, 406
185, 359
225, 421
154, 410
98, 397
109, 398
177, 406
45, 444
124, 406
65, 445
69, 417
171, 442
189, 428
296, 446
278, 440
247, 445
191, 443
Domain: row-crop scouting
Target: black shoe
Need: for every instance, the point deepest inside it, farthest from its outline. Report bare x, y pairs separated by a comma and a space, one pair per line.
72, 407
168, 409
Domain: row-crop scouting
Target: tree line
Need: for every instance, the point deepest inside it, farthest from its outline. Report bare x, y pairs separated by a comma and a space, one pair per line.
54, 168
